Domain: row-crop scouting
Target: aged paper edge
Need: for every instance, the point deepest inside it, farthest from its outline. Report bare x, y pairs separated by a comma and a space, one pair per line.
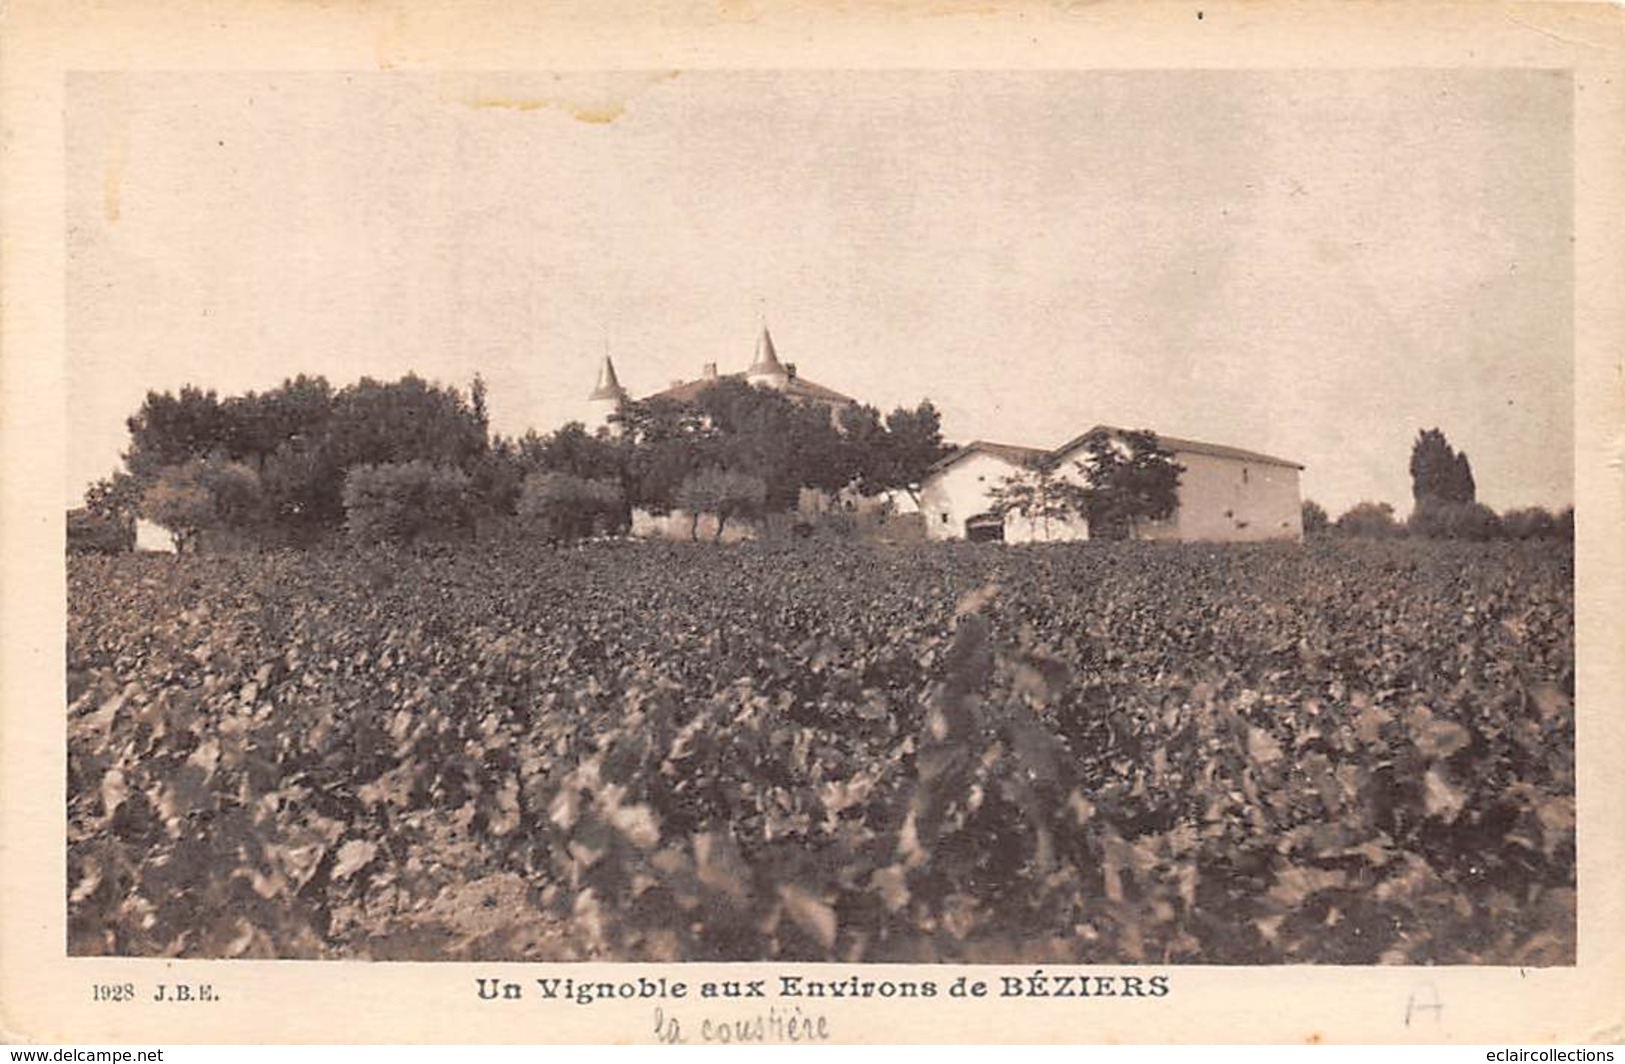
45, 997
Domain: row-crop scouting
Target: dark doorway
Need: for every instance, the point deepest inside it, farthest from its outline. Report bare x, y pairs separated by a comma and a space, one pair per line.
985, 528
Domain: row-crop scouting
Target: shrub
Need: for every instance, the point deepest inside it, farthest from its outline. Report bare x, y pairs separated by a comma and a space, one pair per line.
203, 496
1532, 522
407, 501
1315, 521
1440, 519
565, 508
1370, 520
93, 533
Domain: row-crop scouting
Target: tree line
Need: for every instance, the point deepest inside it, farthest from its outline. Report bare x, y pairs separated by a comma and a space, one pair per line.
1445, 505
410, 460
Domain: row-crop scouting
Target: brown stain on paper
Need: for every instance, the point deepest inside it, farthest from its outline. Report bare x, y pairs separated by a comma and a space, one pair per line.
603, 110
600, 115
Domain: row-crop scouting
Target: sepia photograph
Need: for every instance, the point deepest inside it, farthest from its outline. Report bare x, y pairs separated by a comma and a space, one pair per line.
984, 516
767, 523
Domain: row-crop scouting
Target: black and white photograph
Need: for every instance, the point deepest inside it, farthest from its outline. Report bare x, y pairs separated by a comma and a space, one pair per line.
875, 523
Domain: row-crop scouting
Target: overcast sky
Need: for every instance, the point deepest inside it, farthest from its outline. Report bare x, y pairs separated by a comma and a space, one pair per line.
1315, 265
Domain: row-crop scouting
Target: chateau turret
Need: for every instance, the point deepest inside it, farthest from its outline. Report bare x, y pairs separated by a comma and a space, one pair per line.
607, 397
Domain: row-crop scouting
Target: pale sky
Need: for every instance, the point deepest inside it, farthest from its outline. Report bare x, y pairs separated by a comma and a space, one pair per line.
1311, 264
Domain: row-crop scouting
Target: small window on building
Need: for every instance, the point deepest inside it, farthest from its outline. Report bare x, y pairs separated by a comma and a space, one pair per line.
1244, 477
944, 518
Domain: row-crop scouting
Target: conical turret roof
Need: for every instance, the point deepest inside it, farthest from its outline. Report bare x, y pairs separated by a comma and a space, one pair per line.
609, 386
767, 362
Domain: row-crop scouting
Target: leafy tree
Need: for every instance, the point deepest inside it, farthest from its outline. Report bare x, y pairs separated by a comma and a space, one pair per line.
478, 394
238, 498
1128, 477
171, 430
1315, 520
724, 494
302, 438
259, 424
565, 508
404, 421
761, 432
1038, 493
179, 502
666, 443
582, 454
817, 456
1438, 472
194, 497
1369, 520
115, 498
303, 489
894, 454
283, 434
574, 450
497, 476
863, 432
406, 501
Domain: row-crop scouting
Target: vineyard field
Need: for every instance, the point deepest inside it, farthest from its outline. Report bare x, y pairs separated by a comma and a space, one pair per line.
1343, 752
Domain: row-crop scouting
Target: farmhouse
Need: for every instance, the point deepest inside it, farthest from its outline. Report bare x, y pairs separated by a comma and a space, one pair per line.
956, 497
1225, 494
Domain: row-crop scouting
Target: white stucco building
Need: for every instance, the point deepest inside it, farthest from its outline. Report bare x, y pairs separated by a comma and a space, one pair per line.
1225, 494
956, 497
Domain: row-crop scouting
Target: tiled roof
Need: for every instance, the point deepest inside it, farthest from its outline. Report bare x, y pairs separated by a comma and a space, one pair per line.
795, 388
780, 377
688, 391
802, 388
1183, 446
1012, 453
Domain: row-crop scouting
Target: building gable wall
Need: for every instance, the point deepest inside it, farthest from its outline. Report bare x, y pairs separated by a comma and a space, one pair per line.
1228, 500
960, 491
964, 489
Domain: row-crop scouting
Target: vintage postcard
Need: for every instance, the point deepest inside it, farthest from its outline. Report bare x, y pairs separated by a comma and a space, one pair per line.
779, 524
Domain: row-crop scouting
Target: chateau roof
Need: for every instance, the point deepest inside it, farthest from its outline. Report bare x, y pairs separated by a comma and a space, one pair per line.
784, 378
794, 387
609, 386
767, 359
